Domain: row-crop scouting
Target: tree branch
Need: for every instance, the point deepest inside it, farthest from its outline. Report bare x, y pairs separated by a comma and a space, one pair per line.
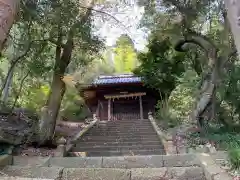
19, 91
56, 43
108, 14
102, 12
200, 40
82, 21
17, 59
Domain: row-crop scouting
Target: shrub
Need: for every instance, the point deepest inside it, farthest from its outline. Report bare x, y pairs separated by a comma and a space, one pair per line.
234, 157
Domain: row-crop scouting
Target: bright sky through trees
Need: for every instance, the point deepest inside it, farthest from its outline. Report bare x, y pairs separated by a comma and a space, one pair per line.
129, 16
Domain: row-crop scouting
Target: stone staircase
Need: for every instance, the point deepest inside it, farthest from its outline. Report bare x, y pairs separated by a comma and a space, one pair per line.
156, 167
121, 150
119, 138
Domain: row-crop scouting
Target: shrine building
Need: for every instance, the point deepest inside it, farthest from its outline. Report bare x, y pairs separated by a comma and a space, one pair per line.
119, 97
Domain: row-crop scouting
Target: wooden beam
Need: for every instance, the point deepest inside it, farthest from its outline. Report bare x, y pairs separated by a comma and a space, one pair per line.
141, 107
114, 96
109, 109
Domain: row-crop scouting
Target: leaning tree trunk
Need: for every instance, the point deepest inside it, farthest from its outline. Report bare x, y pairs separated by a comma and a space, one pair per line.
49, 115
63, 58
50, 112
233, 11
204, 103
8, 10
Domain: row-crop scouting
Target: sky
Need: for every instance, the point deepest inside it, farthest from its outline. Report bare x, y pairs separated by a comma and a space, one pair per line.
129, 17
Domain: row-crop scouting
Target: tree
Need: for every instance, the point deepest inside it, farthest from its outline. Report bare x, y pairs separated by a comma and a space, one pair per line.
73, 28
234, 19
161, 66
8, 10
125, 56
207, 42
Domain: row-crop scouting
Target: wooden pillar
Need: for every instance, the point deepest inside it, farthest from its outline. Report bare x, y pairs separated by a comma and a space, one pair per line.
109, 109
97, 110
141, 107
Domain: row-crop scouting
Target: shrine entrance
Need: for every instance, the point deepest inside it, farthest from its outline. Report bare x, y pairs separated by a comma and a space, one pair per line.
125, 106
125, 109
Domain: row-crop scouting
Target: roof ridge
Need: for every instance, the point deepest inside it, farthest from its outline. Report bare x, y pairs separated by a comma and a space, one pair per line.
117, 76
117, 79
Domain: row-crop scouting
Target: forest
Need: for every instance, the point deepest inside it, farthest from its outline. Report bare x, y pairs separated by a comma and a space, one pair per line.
190, 58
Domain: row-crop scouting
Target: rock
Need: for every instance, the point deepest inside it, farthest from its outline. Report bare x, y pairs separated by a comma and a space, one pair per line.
17, 127
61, 141
211, 148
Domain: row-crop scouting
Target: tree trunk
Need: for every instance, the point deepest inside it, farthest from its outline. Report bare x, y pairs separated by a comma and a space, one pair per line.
58, 87
233, 11
49, 115
8, 10
204, 102
19, 91
7, 85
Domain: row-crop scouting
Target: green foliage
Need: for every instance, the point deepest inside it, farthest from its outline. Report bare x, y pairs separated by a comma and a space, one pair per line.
73, 107
125, 59
34, 96
229, 93
161, 66
234, 158
223, 138
164, 115
182, 98
176, 109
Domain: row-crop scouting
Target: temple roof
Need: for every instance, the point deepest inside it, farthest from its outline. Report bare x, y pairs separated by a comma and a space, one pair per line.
117, 79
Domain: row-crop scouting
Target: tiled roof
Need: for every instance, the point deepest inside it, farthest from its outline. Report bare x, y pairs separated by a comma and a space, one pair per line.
117, 79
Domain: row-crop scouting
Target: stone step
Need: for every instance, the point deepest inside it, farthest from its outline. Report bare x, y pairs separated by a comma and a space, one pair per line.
175, 173
124, 121
127, 125
124, 128
123, 143
121, 129
146, 161
114, 147
122, 124
187, 173
53, 173
125, 137
127, 162
30, 161
116, 139
122, 134
95, 174
118, 153
21, 178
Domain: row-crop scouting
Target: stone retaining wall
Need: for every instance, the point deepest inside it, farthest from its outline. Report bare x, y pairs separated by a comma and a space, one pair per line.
166, 141
211, 168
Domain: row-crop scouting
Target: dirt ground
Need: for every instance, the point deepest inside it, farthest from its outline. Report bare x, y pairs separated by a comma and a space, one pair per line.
63, 129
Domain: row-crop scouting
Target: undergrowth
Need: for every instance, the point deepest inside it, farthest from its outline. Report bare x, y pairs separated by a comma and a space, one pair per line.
224, 139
